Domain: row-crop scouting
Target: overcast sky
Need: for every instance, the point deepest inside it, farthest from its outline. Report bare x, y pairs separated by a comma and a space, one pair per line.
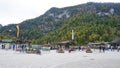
16, 11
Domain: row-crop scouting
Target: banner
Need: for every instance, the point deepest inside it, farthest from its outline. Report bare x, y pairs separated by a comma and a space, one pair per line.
18, 30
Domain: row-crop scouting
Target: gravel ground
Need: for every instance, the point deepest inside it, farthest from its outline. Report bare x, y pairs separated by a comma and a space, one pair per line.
76, 59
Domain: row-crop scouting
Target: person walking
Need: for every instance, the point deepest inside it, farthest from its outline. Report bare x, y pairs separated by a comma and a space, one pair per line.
23, 47
79, 48
118, 48
3, 46
103, 48
111, 47
13, 46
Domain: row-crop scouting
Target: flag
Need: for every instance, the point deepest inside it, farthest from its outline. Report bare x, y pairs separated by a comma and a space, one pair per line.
18, 30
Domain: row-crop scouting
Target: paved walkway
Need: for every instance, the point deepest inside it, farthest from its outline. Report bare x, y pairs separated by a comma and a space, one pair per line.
77, 59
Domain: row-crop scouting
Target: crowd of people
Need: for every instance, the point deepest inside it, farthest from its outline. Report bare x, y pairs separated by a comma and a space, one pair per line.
112, 48
28, 48
20, 47
101, 48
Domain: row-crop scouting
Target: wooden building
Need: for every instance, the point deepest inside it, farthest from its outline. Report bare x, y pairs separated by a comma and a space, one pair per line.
66, 44
116, 42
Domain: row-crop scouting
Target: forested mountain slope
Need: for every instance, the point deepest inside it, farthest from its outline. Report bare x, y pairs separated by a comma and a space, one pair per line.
90, 21
87, 28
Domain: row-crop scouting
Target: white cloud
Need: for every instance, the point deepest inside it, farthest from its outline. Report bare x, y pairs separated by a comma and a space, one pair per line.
16, 11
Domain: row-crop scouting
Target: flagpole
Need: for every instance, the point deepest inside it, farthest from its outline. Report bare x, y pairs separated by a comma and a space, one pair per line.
17, 35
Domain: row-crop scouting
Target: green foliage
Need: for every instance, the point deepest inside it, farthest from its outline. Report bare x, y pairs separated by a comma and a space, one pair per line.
87, 28
87, 25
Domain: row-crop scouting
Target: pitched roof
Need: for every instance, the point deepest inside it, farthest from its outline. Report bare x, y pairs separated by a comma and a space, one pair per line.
117, 41
66, 42
7, 41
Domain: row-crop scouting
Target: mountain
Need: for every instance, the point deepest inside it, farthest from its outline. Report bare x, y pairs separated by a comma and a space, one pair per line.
87, 28
0, 26
43, 29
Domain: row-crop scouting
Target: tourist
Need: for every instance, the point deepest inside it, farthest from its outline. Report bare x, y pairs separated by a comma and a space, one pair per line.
82, 47
13, 46
69, 50
79, 48
111, 47
27, 49
108, 47
23, 47
100, 48
3, 46
103, 48
118, 48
